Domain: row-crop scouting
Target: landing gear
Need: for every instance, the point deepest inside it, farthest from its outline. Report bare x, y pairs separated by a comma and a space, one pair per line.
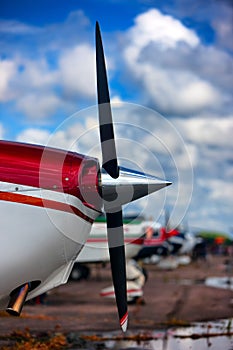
79, 272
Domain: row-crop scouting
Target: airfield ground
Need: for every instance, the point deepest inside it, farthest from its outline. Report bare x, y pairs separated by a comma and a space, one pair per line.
171, 297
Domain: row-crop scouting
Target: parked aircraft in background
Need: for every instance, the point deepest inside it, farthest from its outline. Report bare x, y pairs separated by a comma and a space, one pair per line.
156, 242
160, 243
96, 250
49, 199
183, 243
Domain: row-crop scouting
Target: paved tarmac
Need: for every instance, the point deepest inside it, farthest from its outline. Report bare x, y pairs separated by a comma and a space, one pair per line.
171, 297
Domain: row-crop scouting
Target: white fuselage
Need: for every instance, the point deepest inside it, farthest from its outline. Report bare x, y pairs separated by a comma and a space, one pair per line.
39, 244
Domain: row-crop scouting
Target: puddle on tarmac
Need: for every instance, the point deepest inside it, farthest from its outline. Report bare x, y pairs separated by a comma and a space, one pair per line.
200, 336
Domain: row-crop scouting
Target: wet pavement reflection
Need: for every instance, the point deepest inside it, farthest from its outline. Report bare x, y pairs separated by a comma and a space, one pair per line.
199, 336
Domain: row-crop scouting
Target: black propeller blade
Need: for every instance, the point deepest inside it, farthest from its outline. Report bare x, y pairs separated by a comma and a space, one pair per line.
105, 114
110, 164
117, 259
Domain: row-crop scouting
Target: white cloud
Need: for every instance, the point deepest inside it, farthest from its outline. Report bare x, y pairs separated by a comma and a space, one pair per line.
60, 139
224, 28
76, 71
220, 190
33, 135
38, 105
15, 27
154, 27
38, 90
37, 74
1, 131
208, 141
71, 135
29, 85
116, 101
209, 138
176, 91
8, 70
172, 69
209, 131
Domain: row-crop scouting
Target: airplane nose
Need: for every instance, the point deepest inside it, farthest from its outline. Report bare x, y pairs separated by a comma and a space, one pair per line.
129, 186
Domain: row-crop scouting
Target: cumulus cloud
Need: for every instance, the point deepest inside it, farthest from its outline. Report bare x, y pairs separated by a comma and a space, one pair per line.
212, 204
175, 72
208, 131
210, 147
207, 148
209, 140
39, 91
76, 71
16, 27
72, 134
224, 28
36, 74
178, 92
220, 189
47, 66
8, 70
38, 106
1, 131
34, 136
155, 27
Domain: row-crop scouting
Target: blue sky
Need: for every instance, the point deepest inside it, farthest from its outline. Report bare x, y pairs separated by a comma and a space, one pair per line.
172, 57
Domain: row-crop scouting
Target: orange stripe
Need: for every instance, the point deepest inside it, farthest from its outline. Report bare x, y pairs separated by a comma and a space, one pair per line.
46, 203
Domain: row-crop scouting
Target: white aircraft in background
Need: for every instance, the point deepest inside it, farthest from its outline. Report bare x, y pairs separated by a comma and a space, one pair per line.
49, 199
96, 250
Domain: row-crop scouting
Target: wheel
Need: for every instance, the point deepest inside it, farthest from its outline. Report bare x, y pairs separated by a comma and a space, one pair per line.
79, 272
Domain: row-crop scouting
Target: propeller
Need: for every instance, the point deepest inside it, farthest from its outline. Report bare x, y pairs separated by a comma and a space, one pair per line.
110, 165
117, 185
